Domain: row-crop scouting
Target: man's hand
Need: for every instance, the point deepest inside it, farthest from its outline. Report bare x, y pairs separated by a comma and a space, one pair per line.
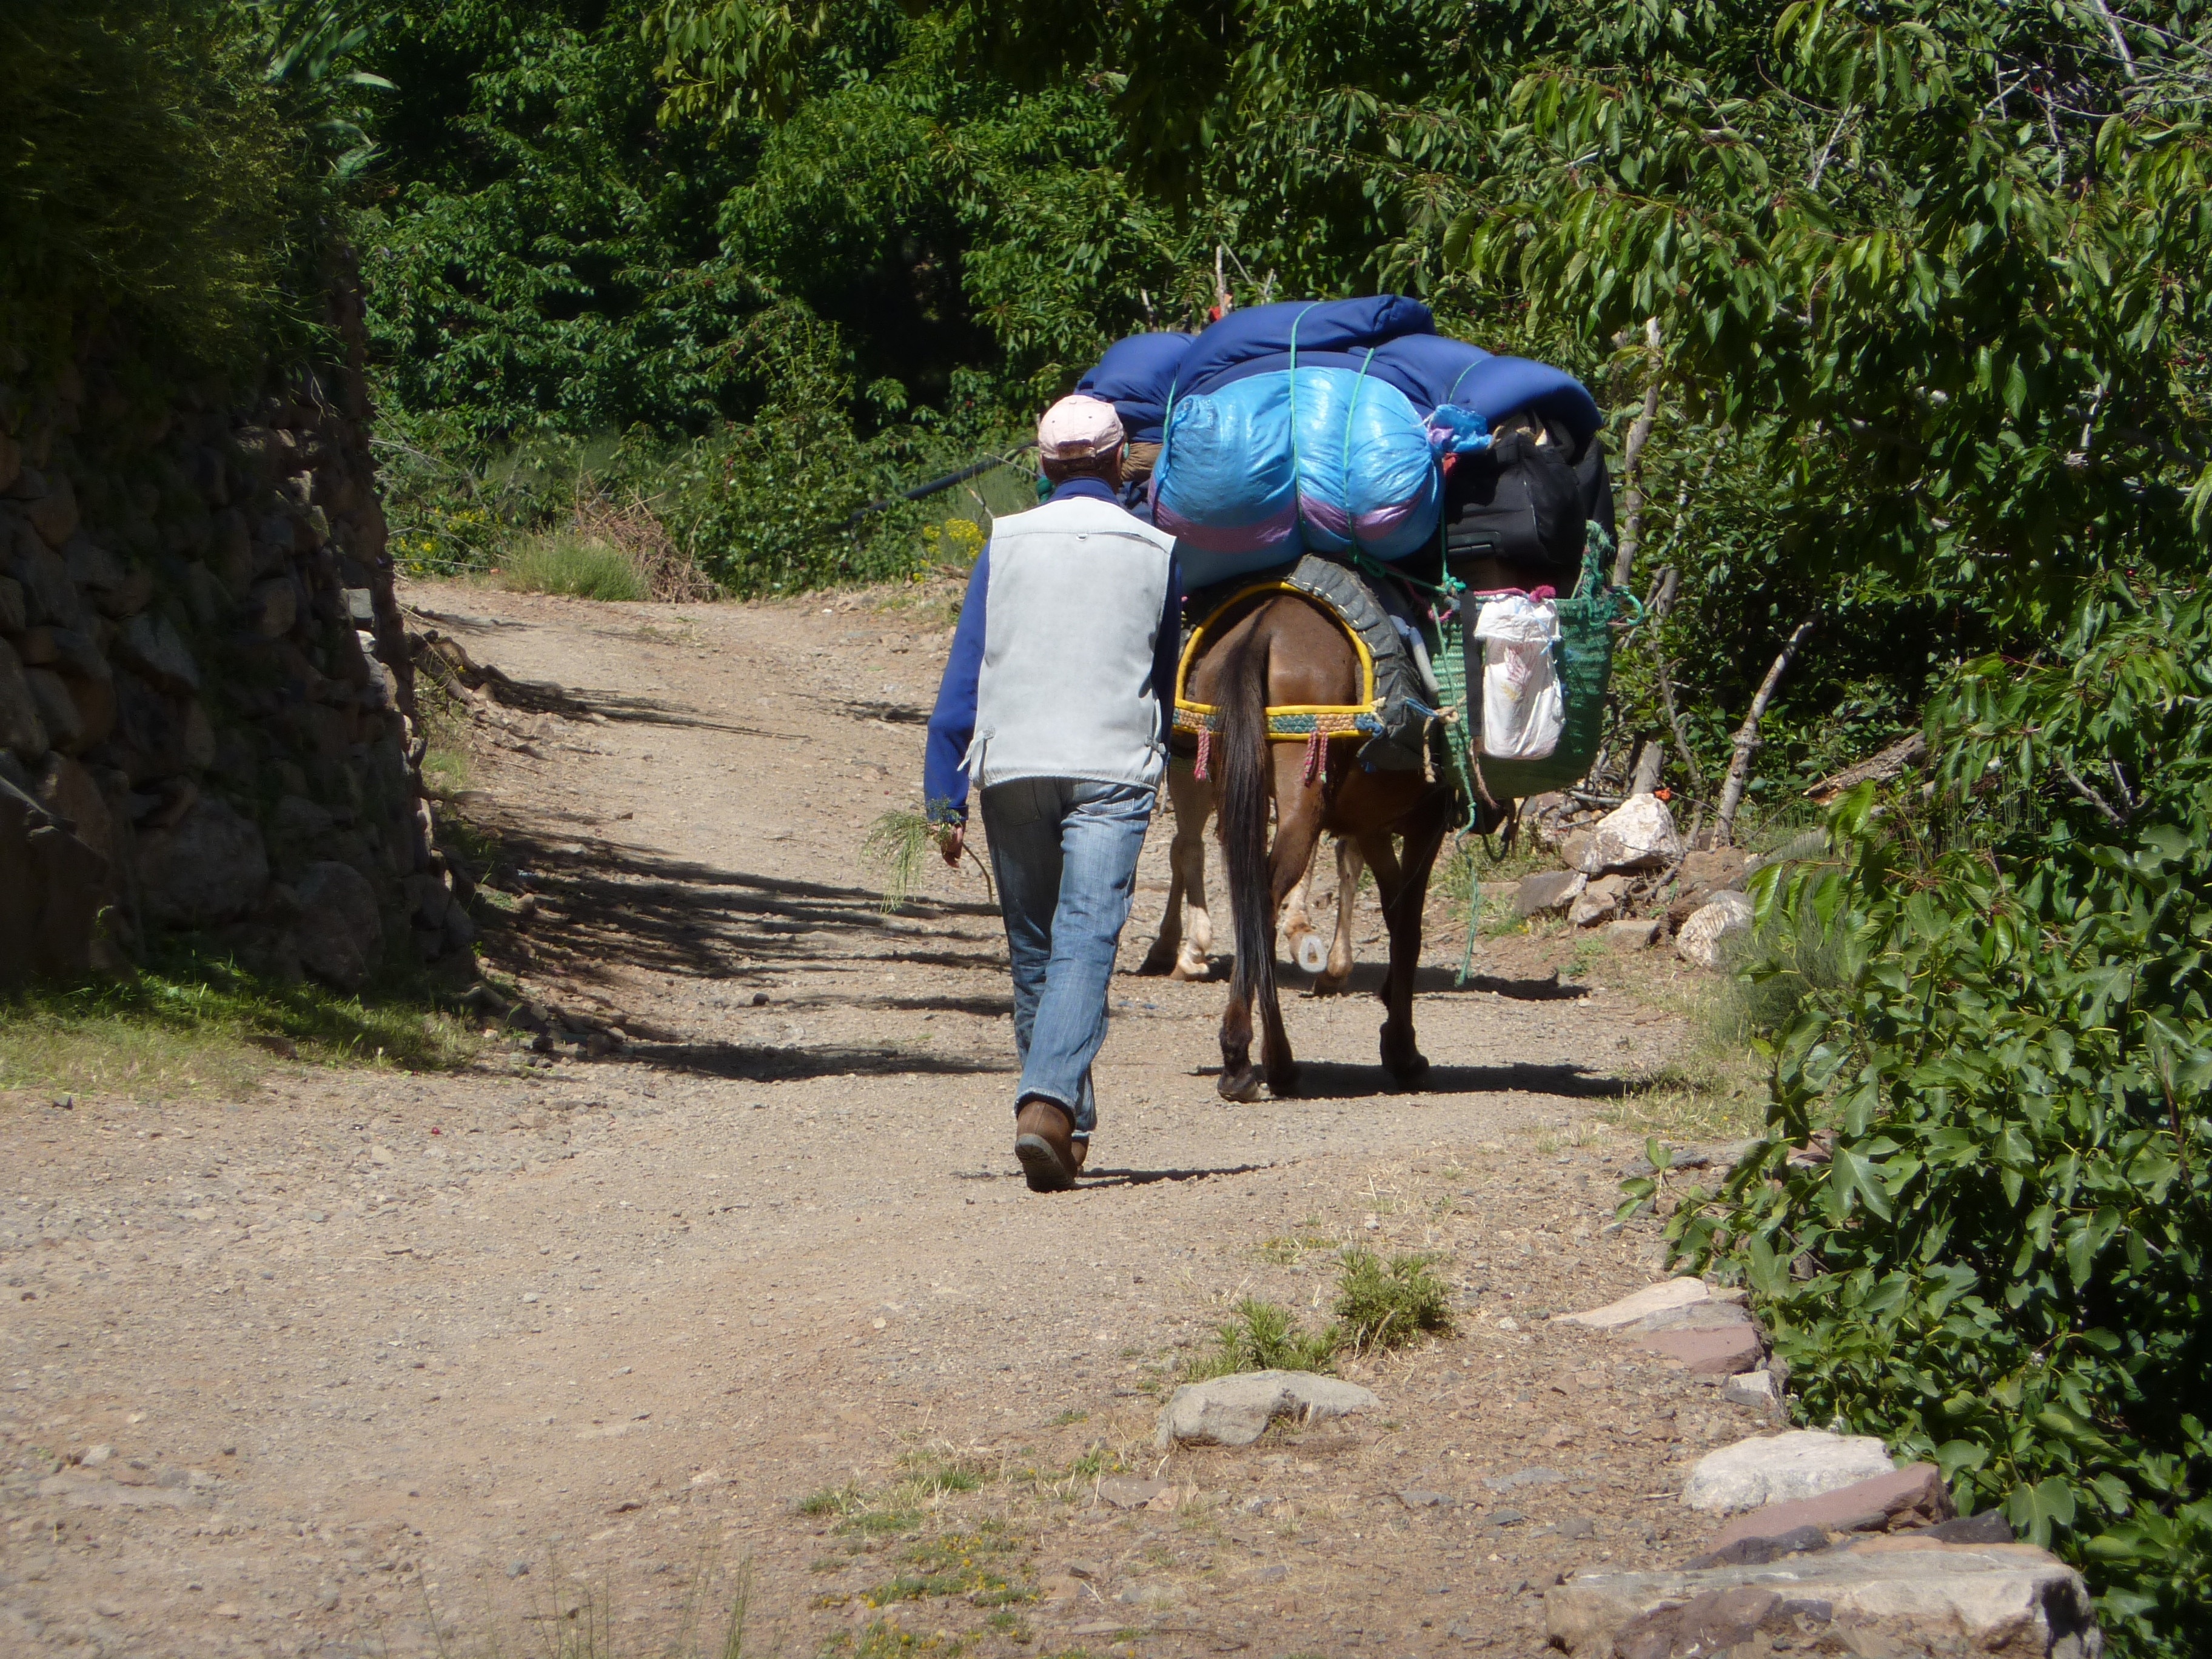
950, 838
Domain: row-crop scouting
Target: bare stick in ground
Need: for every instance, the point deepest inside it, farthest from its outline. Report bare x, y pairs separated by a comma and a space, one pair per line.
1649, 757
1746, 736
1632, 472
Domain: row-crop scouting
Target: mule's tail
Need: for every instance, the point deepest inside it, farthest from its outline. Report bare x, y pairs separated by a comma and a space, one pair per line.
1244, 819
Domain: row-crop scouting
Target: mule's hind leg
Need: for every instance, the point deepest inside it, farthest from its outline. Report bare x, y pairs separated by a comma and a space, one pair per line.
1349, 863
1403, 882
1297, 830
1183, 948
1298, 930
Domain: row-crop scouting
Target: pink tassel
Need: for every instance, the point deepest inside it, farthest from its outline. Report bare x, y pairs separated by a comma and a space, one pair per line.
1317, 753
1205, 752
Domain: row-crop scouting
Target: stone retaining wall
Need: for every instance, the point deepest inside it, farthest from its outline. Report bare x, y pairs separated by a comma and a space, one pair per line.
205, 692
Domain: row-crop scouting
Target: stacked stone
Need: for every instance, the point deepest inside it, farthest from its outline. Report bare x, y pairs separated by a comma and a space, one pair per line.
206, 695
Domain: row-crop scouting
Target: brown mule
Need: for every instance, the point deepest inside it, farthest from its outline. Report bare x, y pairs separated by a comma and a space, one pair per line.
1286, 650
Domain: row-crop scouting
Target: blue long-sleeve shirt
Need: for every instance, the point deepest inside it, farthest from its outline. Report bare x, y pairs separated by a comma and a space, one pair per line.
952, 724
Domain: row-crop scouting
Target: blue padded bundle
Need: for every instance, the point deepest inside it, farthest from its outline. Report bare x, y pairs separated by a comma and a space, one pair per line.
1309, 326
1136, 376
1367, 474
1229, 493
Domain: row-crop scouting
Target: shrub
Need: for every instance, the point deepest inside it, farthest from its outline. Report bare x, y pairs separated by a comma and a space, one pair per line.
2001, 1266
563, 561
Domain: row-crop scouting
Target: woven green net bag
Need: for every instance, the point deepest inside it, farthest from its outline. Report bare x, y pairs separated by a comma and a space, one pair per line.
1582, 657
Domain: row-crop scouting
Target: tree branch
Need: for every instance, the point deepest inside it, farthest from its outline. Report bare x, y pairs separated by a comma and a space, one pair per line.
1746, 736
2088, 793
1883, 765
2119, 40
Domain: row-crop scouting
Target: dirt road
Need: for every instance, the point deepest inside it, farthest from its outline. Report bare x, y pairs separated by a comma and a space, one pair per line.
564, 1344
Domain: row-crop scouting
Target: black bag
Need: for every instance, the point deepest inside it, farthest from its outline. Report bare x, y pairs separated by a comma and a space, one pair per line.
1515, 512
1518, 503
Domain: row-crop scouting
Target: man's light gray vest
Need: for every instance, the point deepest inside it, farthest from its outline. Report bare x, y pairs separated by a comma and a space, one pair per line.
1070, 622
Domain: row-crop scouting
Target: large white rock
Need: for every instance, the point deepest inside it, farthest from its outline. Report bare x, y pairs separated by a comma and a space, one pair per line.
1900, 1596
1639, 834
1640, 1304
1235, 1410
1781, 1468
1703, 941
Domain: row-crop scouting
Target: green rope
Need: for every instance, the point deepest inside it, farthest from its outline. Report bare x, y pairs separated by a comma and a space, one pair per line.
1350, 530
1298, 462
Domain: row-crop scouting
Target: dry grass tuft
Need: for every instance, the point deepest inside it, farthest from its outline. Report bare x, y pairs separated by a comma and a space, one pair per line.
636, 531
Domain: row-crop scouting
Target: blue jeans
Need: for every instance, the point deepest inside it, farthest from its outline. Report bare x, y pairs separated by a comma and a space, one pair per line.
1064, 853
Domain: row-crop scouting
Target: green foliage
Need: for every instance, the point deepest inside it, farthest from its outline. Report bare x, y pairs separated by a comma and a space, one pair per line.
1388, 1304
2002, 1264
148, 173
541, 256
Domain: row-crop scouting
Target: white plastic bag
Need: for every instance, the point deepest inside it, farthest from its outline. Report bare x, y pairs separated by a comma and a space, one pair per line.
1522, 712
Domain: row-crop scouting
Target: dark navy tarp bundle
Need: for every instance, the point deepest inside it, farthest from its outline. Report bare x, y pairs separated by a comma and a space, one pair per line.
1136, 375
1433, 369
1309, 326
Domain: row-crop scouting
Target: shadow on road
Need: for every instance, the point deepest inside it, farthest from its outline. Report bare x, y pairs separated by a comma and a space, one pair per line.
602, 908
1333, 1080
1092, 1179
753, 1063
1367, 981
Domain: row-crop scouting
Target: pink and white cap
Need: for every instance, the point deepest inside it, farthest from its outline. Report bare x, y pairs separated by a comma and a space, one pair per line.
1076, 429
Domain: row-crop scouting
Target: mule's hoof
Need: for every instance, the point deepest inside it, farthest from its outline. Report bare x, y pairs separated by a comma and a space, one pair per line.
1407, 1074
1191, 973
1286, 1086
1331, 985
1241, 1086
1312, 953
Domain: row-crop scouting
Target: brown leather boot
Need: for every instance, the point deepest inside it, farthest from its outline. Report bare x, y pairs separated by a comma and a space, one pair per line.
1044, 1141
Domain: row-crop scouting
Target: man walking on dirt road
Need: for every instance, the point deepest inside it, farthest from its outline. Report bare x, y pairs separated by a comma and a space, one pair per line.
1057, 702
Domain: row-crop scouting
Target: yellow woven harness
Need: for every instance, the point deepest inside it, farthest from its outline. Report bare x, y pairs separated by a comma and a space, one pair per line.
1314, 725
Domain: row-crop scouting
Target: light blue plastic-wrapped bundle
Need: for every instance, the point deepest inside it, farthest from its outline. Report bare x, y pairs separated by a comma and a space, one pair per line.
1269, 466
1367, 472
1226, 487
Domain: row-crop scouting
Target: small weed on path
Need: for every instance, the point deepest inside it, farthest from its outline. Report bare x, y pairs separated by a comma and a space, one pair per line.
1388, 1304
1379, 1304
887, 1641
1265, 1337
569, 1620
